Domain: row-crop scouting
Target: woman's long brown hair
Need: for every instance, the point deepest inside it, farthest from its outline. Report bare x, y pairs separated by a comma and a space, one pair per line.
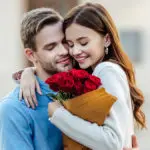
96, 17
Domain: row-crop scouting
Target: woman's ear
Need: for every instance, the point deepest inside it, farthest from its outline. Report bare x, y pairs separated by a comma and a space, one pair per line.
107, 40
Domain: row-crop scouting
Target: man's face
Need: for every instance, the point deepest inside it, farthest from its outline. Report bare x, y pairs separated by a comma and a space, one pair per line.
51, 55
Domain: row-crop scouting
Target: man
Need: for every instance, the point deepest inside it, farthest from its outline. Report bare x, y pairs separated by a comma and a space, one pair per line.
22, 128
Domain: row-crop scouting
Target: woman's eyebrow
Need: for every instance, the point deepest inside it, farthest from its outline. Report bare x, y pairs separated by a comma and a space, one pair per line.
81, 38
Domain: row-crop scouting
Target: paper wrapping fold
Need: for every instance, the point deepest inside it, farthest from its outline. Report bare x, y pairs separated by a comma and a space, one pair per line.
93, 106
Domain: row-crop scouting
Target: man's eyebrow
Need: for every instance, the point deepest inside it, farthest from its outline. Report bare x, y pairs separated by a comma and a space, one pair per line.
50, 44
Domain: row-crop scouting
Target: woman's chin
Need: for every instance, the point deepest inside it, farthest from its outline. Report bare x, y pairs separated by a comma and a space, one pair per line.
84, 66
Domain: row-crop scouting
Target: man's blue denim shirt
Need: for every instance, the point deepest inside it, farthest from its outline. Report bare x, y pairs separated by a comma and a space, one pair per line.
22, 128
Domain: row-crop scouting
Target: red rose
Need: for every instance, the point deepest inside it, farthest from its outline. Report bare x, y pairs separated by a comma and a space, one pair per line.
95, 80
67, 83
53, 85
54, 81
54, 78
78, 88
89, 86
92, 83
79, 74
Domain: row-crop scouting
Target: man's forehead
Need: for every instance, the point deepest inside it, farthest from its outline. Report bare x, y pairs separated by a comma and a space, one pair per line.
54, 28
51, 33
55, 32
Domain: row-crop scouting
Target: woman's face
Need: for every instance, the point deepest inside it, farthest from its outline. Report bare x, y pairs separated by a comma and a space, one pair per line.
86, 46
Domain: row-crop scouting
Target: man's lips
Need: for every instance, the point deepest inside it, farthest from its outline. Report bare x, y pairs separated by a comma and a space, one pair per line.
64, 61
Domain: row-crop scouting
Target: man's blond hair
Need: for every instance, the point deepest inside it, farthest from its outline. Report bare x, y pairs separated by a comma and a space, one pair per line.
33, 21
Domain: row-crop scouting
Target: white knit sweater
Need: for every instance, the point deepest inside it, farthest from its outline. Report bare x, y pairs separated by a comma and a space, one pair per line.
118, 127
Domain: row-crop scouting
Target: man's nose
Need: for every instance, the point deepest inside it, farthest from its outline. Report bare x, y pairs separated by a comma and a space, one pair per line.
63, 50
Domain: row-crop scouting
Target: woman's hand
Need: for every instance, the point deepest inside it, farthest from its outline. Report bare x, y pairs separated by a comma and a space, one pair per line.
28, 85
134, 144
52, 106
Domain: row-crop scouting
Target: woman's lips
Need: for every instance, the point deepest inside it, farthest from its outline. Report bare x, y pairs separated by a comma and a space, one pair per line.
81, 59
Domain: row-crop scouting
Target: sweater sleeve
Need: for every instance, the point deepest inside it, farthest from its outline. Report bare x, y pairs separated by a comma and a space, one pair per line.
111, 135
16, 76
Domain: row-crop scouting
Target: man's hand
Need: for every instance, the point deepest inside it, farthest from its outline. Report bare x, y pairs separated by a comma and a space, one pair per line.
134, 144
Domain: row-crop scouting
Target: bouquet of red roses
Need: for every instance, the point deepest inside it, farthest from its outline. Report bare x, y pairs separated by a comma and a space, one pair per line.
80, 94
73, 83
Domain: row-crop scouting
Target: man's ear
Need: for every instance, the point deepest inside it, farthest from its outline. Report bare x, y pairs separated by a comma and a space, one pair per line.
107, 40
30, 55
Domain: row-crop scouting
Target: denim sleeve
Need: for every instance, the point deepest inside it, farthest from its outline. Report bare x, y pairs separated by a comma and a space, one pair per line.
15, 127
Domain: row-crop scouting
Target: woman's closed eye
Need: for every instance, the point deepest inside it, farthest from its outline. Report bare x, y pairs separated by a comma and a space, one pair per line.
83, 43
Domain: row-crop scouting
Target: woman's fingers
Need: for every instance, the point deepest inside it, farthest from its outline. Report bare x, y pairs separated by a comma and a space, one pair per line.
33, 95
134, 144
37, 86
28, 85
27, 103
30, 101
27, 91
27, 97
134, 141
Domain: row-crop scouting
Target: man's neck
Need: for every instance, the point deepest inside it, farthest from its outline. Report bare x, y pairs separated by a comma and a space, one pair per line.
42, 74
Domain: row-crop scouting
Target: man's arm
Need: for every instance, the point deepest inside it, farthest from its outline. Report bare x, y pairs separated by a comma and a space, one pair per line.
15, 130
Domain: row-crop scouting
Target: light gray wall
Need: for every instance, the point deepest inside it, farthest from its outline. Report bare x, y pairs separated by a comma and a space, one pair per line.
11, 53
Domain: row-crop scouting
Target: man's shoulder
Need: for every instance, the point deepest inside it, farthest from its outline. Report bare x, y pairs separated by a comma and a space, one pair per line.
13, 111
11, 96
10, 103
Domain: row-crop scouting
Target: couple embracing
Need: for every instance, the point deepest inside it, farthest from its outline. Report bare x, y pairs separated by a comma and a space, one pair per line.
88, 39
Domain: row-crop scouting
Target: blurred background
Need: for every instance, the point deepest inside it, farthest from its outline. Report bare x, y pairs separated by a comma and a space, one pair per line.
133, 23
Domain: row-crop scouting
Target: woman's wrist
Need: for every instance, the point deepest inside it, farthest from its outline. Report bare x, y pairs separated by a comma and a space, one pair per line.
30, 70
33, 69
56, 113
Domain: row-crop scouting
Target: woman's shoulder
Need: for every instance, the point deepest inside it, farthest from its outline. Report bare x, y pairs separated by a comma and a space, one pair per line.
107, 67
113, 78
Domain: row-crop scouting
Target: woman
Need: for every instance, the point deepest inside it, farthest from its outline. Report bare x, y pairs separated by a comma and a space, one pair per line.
93, 42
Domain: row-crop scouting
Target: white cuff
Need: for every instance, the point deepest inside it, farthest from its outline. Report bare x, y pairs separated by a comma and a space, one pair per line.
58, 112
